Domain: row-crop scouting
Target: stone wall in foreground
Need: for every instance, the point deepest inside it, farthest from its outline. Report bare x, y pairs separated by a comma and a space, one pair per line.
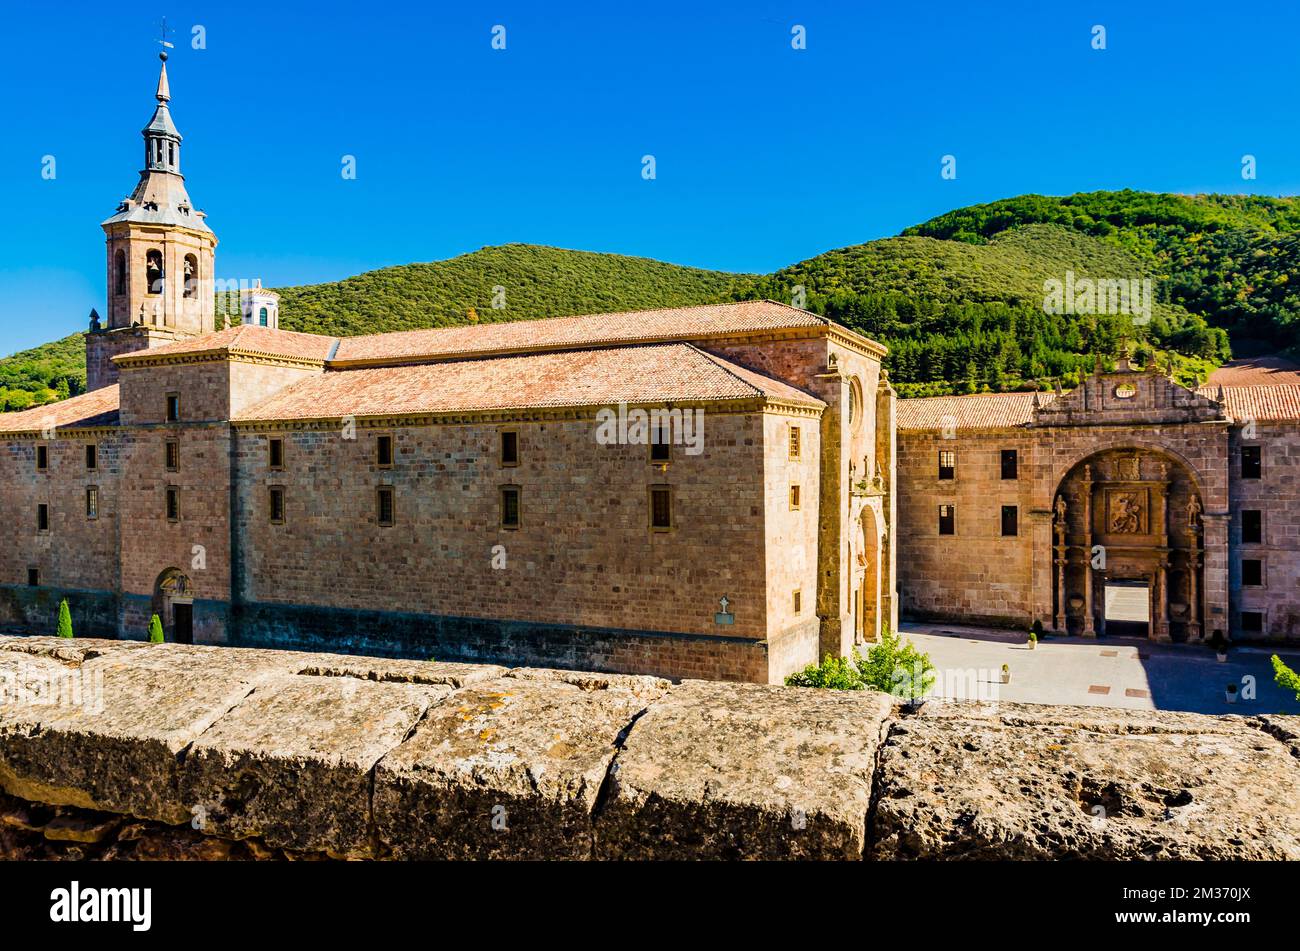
118, 750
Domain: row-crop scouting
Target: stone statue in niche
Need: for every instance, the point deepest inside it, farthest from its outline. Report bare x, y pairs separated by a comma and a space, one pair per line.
1060, 510
1194, 510
1125, 514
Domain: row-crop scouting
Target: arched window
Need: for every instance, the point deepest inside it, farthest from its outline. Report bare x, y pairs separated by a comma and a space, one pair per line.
261, 317
153, 271
171, 154
119, 272
191, 275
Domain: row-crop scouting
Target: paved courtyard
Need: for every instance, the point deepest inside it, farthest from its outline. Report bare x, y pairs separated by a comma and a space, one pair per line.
1110, 672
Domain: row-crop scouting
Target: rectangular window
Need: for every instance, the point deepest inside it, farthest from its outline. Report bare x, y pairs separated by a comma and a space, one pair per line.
1010, 520
509, 447
947, 520
275, 452
33, 577
1010, 464
92, 501
947, 464
1251, 462
42, 458
1252, 527
172, 456
1252, 622
42, 517
1252, 572
795, 447
510, 515
661, 508
277, 504
173, 504
798, 602
384, 505
92, 456
384, 451
173, 407
661, 447
794, 498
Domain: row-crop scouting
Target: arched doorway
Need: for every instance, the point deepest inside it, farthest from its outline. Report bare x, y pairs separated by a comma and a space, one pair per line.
866, 572
174, 605
1128, 550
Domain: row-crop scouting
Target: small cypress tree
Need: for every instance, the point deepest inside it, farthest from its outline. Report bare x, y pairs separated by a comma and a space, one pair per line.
65, 619
155, 630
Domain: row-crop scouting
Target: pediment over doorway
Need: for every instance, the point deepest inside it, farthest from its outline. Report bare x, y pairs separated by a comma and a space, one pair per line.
1127, 396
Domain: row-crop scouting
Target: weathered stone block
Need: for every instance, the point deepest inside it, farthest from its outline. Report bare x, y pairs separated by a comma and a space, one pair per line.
115, 745
981, 788
292, 763
745, 771
506, 769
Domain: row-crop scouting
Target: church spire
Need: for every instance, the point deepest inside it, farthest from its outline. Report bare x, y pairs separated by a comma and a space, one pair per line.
164, 93
162, 141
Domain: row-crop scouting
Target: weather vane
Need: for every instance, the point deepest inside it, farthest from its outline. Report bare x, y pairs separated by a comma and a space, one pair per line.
163, 41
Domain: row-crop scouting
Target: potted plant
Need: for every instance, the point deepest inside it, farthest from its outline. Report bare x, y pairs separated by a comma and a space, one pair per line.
1033, 640
1006, 674
1220, 645
1230, 692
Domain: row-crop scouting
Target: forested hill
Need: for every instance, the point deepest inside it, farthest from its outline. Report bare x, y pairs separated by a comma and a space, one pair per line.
1234, 259
534, 282
958, 299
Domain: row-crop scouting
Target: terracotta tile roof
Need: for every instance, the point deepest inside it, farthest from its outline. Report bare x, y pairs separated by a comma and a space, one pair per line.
1008, 410
647, 374
1258, 402
588, 330
981, 411
247, 339
96, 408
1256, 371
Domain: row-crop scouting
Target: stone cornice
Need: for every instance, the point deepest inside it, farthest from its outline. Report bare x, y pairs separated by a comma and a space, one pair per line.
142, 359
526, 414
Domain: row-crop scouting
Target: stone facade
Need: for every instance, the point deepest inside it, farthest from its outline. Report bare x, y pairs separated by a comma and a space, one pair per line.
1128, 487
239, 490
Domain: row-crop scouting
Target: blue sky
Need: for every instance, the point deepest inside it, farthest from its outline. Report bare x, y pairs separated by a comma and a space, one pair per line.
765, 155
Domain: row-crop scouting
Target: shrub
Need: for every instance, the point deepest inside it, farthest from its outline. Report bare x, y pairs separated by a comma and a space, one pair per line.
1037, 629
833, 673
1286, 678
891, 666
65, 619
897, 667
155, 630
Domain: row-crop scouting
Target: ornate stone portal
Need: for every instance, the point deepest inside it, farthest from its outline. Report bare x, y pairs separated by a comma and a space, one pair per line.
1130, 517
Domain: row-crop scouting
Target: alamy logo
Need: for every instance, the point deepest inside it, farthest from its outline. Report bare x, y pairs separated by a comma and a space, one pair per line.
1100, 296
74, 904
639, 427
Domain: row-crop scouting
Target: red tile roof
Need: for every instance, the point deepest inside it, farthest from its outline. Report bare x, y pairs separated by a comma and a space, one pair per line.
662, 373
1256, 371
1008, 410
590, 330
96, 408
244, 339
1258, 402
980, 411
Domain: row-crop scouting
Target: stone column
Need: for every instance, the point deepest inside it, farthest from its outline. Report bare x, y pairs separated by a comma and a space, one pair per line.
1160, 623
1089, 622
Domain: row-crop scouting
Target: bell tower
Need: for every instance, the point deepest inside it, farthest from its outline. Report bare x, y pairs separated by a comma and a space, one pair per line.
160, 254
